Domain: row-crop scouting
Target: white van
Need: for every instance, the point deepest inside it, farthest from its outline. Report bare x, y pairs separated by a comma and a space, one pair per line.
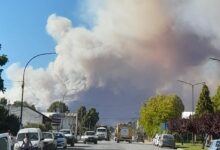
5, 142
101, 133
35, 136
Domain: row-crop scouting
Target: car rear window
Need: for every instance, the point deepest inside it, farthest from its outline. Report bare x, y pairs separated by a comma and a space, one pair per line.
90, 133
168, 137
47, 135
33, 136
217, 144
101, 130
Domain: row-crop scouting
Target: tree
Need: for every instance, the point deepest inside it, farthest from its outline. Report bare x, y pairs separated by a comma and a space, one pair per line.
216, 101
207, 124
8, 122
91, 118
25, 104
3, 61
13, 124
58, 107
81, 118
159, 109
204, 104
87, 120
3, 101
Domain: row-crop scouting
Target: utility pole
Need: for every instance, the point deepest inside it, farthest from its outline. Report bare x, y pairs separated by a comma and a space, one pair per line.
76, 128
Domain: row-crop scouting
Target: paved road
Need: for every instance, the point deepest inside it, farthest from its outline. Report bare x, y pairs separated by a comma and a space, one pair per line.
112, 145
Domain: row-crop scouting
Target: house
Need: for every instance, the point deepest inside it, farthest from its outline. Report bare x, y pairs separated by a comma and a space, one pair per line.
29, 115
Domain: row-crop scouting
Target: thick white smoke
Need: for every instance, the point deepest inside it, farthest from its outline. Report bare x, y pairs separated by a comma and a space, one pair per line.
135, 50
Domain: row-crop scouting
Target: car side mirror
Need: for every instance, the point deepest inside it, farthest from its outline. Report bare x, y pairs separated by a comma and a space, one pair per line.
42, 139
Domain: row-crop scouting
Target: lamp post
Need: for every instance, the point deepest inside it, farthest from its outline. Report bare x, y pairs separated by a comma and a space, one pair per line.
212, 58
192, 85
23, 83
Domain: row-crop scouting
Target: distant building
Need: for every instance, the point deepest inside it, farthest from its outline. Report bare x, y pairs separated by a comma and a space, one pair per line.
68, 121
29, 115
62, 120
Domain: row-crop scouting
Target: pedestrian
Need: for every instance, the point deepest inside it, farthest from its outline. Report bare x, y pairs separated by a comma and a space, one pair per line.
26, 145
11, 139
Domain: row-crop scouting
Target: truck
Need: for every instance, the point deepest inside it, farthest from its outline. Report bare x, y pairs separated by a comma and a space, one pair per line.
103, 133
123, 132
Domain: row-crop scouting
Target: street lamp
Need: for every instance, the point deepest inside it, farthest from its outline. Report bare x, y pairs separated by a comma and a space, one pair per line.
193, 85
212, 58
23, 80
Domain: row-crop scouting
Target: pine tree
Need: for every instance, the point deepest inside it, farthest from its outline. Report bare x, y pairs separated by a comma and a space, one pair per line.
216, 100
204, 104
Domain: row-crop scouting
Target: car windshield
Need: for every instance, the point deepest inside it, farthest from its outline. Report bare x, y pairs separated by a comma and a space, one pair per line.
33, 136
90, 133
101, 130
58, 135
65, 131
168, 137
217, 144
47, 135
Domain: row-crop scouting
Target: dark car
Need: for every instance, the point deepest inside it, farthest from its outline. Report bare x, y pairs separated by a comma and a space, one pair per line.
89, 136
167, 140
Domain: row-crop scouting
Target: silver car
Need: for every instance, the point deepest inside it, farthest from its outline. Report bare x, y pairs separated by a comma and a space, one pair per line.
61, 139
49, 141
215, 145
167, 140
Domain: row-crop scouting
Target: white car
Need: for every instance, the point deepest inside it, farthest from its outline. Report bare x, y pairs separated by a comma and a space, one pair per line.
69, 134
156, 140
215, 145
35, 136
61, 139
5, 142
49, 140
89, 137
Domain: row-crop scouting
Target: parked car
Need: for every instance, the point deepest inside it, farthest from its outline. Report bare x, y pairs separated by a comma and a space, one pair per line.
35, 135
166, 140
156, 139
90, 136
69, 134
61, 139
215, 145
138, 138
5, 142
49, 141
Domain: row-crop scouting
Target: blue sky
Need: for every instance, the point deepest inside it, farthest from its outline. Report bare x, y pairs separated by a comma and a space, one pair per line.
22, 28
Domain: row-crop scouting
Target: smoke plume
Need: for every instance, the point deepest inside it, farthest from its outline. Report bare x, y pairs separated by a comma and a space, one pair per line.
134, 50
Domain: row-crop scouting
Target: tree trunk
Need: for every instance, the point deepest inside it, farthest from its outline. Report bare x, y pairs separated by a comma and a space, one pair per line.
203, 141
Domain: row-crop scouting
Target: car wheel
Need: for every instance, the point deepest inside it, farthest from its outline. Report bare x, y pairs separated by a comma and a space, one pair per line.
95, 142
72, 144
84, 142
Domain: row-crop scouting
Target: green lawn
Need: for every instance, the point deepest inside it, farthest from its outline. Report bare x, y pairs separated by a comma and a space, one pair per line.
190, 146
